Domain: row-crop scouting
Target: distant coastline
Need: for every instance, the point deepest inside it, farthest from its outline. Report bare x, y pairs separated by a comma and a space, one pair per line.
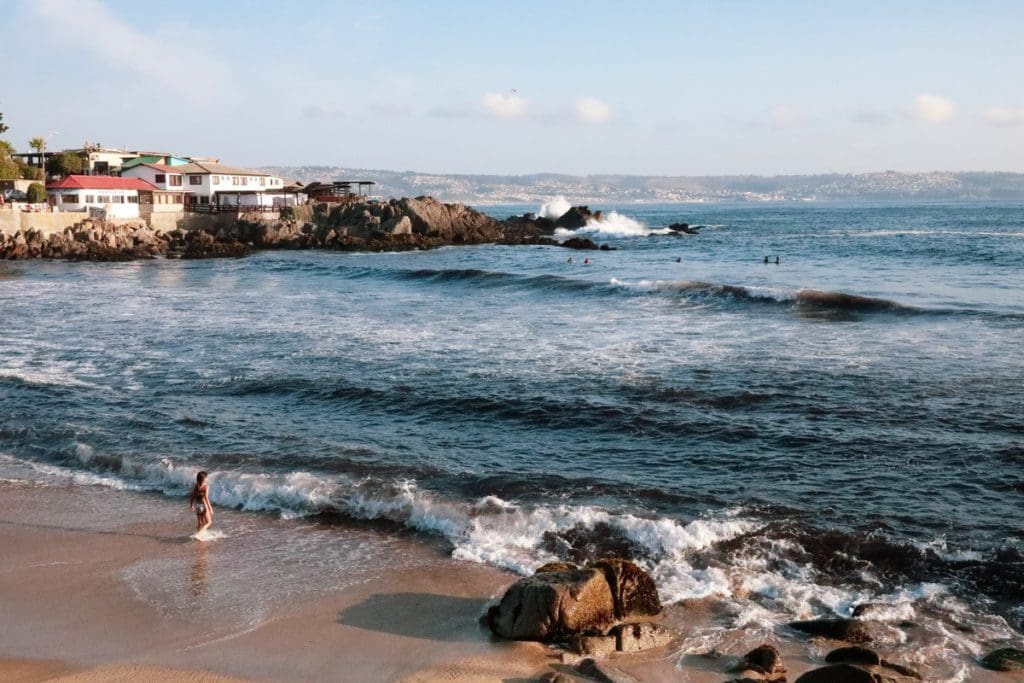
593, 189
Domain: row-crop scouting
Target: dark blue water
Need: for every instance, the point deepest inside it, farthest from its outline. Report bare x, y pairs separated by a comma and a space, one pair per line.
846, 425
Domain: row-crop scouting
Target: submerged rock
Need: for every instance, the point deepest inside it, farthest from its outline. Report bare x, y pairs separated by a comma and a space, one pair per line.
1004, 659
763, 663
854, 654
849, 630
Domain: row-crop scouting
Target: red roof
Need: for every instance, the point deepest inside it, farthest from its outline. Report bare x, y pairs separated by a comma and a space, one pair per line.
99, 182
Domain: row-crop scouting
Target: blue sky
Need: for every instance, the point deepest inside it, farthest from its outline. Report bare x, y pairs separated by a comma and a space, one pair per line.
670, 88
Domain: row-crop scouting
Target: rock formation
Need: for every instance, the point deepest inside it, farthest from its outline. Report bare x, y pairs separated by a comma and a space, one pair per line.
395, 225
596, 610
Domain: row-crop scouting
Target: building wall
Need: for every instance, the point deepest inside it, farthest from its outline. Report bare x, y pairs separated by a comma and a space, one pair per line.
149, 175
210, 184
16, 184
99, 199
12, 221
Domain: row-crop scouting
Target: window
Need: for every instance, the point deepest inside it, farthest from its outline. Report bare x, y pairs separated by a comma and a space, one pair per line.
195, 180
69, 198
161, 177
215, 179
133, 199
117, 199
176, 181
204, 200
235, 180
263, 181
90, 199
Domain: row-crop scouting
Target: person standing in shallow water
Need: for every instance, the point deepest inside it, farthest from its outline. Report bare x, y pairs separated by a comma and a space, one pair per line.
199, 503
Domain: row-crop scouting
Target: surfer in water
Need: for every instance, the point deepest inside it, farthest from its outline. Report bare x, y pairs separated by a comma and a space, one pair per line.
199, 503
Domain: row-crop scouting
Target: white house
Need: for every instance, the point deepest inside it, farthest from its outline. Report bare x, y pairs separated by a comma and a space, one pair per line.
161, 176
214, 184
117, 197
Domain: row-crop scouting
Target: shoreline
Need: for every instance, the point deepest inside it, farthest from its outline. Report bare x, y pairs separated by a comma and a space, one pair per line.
135, 591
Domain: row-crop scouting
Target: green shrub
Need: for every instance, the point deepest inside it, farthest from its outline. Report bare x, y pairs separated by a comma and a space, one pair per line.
36, 193
29, 172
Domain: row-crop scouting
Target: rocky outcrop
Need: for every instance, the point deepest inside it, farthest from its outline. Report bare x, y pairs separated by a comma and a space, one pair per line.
395, 225
595, 610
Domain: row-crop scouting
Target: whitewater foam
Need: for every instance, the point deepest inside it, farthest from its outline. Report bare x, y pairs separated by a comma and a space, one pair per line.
554, 209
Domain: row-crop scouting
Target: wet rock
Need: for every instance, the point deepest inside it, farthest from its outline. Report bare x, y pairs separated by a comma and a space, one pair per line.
848, 630
853, 655
556, 677
577, 217
633, 589
684, 228
554, 606
639, 637
841, 673
904, 671
765, 661
556, 567
603, 674
1004, 659
580, 243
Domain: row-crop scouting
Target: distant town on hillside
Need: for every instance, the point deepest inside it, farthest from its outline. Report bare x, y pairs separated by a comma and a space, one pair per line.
534, 188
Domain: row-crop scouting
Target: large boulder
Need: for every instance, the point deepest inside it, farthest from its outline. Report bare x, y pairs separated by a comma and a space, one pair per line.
633, 589
554, 606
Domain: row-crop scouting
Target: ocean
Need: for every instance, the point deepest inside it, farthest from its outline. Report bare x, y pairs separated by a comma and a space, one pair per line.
844, 427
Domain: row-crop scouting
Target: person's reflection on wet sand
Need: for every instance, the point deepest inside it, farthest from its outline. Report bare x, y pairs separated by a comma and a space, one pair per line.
197, 577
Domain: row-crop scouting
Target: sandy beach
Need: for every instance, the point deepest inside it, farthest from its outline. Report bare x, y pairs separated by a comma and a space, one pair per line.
93, 596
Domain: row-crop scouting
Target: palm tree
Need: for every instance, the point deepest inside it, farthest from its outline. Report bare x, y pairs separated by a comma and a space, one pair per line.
39, 145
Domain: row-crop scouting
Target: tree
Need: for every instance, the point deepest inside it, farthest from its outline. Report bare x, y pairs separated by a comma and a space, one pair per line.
3, 127
65, 163
36, 193
39, 145
30, 172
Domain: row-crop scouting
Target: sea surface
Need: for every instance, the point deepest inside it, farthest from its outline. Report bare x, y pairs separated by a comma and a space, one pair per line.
793, 439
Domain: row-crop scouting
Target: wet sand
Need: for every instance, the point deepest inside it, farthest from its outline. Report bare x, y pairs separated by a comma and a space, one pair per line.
98, 584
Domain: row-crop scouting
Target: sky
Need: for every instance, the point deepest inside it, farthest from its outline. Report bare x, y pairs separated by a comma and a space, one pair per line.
517, 86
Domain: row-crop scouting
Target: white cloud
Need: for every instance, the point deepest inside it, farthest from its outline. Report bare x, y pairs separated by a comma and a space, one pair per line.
504, 106
592, 110
932, 108
787, 117
1004, 116
91, 26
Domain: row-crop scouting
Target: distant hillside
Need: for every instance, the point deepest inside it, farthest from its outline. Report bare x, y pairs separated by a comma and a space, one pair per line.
539, 187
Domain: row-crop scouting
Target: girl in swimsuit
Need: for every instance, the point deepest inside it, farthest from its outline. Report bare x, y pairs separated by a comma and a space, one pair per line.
199, 503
